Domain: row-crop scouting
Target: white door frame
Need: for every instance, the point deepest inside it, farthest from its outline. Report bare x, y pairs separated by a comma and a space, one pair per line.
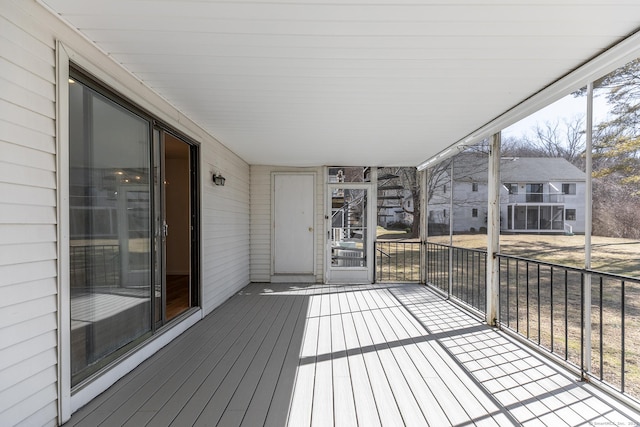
311, 227
352, 274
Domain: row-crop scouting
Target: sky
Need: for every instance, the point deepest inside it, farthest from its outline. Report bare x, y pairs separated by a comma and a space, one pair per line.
566, 108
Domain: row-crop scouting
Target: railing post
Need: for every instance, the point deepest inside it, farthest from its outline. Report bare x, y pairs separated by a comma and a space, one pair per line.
588, 227
424, 223
450, 271
493, 232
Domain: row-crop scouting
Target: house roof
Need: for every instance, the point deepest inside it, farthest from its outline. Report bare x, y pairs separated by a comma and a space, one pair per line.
536, 169
365, 82
474, 168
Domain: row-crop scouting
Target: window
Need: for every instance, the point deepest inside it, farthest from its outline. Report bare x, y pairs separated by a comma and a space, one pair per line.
511, 188
534, 193
568, 189
444, 188
474, 213
474, 186
570, 214
348, 174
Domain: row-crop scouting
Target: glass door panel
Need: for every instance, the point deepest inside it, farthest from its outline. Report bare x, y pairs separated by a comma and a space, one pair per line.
159, 229
128, 181
110, 250
349, 234
348, 227
177, 224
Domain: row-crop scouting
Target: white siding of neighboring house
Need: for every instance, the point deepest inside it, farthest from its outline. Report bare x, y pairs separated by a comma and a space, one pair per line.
261, 197
28, 206
464, 201
571, 201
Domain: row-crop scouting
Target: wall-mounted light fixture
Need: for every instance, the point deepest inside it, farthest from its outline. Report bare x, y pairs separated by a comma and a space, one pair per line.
218, 179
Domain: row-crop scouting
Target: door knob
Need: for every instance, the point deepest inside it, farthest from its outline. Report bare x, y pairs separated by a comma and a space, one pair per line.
310, 229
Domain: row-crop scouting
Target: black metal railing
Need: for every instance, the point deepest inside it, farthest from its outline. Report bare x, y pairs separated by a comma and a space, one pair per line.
398, 261
437, 265
469, 277
545, 303
615, 316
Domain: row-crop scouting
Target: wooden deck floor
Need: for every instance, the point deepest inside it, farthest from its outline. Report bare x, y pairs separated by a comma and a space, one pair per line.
307, 355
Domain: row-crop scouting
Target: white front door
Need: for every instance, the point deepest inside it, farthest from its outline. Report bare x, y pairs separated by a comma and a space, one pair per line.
350, 239
293, 234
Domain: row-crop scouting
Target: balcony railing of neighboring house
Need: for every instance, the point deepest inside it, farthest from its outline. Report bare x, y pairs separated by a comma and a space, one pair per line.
536, 198
398, 261
544, 303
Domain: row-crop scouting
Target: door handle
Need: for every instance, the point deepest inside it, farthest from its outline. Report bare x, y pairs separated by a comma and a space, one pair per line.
165, 229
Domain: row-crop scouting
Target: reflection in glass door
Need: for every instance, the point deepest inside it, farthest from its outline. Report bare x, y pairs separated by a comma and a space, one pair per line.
350, 243
109, 240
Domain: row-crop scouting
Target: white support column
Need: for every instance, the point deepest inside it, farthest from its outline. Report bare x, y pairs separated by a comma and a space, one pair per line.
450, 270
588, 217
423, 176
493, 231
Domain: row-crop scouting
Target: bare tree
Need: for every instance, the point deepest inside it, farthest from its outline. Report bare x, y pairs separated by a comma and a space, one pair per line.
559, 138
408, 185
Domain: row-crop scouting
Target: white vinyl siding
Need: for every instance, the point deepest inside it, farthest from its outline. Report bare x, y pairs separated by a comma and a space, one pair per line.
260, 224
261, 220
225, 225
28, 207
28, 254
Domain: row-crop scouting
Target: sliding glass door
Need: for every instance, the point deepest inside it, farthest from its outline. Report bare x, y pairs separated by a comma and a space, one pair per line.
118, 226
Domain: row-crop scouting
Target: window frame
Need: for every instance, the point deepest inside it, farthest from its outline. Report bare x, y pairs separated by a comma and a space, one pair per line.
571, 186
115, 79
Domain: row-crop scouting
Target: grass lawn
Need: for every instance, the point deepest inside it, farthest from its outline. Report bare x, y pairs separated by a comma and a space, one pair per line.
608, 254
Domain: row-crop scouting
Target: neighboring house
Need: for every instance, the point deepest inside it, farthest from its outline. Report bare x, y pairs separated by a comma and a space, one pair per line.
537, 195
541, 195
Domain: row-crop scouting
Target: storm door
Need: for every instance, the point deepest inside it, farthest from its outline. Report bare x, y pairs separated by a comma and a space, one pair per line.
350, 242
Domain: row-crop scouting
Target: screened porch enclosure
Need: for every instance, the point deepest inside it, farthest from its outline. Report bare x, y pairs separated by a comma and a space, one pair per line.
299, 355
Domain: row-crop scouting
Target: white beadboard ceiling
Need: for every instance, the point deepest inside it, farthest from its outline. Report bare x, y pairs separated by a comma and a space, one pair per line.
348, 82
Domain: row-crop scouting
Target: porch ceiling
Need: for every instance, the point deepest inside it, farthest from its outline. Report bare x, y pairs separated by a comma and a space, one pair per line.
366, 82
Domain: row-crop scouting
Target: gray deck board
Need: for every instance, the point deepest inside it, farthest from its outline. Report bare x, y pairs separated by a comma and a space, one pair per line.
348, 355
280, 368
123, 398
207, 388
235, 392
